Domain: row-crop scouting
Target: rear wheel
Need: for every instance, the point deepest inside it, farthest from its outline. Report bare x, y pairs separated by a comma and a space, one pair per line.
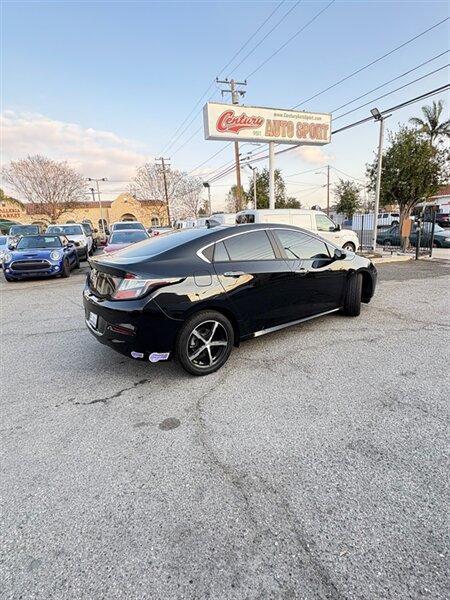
204, 343
352, 302
349, 247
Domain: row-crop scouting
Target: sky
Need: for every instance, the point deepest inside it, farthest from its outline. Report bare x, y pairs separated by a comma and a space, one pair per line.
106, 85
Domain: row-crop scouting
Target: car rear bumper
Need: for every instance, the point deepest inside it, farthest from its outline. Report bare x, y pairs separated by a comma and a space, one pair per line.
137, 328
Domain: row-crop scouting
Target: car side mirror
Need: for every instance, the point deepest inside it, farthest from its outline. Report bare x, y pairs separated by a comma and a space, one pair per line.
11, 246
339, 254
337, 228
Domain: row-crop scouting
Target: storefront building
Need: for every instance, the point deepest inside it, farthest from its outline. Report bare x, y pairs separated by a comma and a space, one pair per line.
152, 213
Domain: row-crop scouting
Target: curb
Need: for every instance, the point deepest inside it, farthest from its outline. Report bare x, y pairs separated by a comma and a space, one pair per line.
390, 259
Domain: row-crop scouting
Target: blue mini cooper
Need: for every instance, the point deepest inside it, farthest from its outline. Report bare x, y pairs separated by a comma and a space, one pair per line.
40, 256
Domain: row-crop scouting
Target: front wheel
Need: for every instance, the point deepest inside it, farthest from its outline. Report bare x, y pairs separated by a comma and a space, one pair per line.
204, 343
352, 301
65, 269
349, 247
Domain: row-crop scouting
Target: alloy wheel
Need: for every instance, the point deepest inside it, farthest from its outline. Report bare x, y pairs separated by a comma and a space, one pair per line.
207, 344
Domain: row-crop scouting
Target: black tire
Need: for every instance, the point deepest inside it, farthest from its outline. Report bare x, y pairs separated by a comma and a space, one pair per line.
188, 346
387, 243
436, 244
66, 269
9, 279
77, 261
86, 255
349, 246
352, 301
394, 223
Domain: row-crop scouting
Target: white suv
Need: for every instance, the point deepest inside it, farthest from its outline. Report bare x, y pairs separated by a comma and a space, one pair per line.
314, 220
75, 233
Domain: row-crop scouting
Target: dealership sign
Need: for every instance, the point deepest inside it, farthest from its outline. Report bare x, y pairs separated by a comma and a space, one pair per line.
257, 124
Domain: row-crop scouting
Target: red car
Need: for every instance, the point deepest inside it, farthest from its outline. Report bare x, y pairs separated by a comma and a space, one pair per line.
121, 239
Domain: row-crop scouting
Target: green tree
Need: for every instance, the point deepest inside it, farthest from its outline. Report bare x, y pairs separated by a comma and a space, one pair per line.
430, 125
262, 191
412, 171
348, 200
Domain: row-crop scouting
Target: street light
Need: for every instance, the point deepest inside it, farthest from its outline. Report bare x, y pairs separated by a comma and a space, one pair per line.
208, 187
380, 118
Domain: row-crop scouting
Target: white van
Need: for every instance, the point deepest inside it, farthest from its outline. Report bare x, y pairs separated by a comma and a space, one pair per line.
314, 220
223, 218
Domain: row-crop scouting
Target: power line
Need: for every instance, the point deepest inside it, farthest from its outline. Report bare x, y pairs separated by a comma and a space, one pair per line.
390, 81
372, 62
361, 121
251, 37
267, 34
389, 93
288, 41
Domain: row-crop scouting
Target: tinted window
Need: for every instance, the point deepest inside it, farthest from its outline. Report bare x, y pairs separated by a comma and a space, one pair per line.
245, 219
250, 246
127, 237
300, 245
220, 253
87, 228
128, 225
66, 229
39, 241
24, 229
323, 223
161, 243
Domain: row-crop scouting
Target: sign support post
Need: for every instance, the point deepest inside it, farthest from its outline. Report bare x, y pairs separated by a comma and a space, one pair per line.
271, 175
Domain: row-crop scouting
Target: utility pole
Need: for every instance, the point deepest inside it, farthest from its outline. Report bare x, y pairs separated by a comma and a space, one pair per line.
208, 187
235, 93
163, 165
380, 118
102, 221
328, 190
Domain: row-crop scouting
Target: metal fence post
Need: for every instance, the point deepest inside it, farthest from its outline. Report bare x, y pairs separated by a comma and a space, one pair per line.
362, 231
433, 223
419, 229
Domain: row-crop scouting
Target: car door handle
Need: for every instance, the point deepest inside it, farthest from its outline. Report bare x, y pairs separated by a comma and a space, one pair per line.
301, 271
234, 274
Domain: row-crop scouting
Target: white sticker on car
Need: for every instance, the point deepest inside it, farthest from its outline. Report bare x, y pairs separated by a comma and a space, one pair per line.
157, 356
137, 354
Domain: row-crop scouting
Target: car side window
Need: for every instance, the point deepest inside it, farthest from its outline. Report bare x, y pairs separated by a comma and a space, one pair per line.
254, 245
220, 253
323, 223
301, 246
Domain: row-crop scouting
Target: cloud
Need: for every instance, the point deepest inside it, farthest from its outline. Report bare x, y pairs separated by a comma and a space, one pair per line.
313, 155
92, 152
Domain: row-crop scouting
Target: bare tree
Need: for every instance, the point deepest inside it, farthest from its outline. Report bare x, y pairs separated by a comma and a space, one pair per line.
51, 186
183, 191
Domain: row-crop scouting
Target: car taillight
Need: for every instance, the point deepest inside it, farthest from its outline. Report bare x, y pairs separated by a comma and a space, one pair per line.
131, 286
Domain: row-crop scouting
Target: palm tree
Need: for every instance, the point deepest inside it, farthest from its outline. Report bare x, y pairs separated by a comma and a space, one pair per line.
430, 125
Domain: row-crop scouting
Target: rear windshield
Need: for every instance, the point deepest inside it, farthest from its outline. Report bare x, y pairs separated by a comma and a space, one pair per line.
39, 241
127, 237
128, 225
66, 229
160, 244
24, 229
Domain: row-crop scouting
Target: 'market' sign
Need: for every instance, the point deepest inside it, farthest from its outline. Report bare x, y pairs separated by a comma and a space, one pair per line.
257, 124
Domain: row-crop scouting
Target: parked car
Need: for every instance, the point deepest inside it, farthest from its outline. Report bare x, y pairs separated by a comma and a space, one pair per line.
40, 256
154, 231
442, 219
4, 244
16, 231
92, 233
121, 225
313, 220
122, 239
391, 237
197, 293
76, 234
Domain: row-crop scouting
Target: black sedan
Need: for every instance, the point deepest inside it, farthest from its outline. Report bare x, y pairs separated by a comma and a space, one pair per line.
197, 293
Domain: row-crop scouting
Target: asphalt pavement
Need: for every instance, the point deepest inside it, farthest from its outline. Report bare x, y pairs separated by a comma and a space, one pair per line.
312, 466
